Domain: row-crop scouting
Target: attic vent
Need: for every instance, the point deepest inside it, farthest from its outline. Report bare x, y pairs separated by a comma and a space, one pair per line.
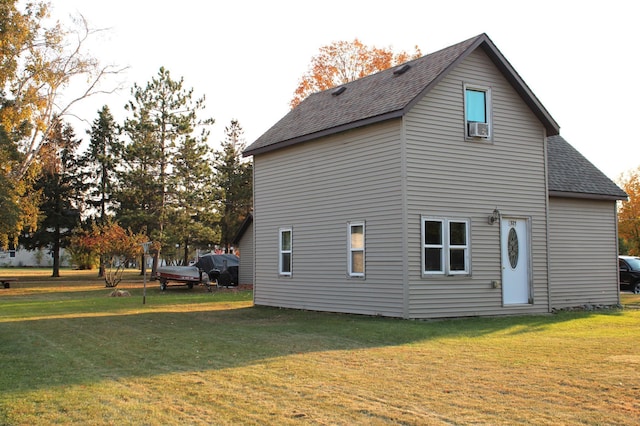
339, 91
402, 69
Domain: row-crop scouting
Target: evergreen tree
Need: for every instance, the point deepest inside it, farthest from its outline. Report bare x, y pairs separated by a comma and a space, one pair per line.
234, 179
139, 197
100, 163
61, 189
192, 219
164, 116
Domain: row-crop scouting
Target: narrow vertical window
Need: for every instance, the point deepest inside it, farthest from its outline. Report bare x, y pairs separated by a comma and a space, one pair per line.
284, 263
477, 112
356, 249
433, 247
476, 106
458, 247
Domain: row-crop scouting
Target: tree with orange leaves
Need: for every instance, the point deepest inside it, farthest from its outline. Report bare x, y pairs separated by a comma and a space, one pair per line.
629, 213
344, 61
115, 245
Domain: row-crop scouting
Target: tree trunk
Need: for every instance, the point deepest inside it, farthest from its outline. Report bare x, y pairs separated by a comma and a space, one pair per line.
186, 252
143, 266
56, 252
154, 265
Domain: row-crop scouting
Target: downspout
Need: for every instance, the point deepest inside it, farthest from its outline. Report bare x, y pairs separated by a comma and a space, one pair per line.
254, 227
547, 203
615, 225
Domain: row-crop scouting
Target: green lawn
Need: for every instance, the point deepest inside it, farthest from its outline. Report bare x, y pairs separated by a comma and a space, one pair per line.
73, 355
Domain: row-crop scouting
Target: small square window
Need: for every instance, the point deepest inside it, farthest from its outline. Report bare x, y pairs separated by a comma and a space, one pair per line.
445, 246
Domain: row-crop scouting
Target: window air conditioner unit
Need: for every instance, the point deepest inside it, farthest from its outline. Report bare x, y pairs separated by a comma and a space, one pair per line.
477, 129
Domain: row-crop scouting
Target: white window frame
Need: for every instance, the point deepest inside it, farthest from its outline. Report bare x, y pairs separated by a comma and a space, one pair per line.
282, 251
488, 109
445, 246
351, 250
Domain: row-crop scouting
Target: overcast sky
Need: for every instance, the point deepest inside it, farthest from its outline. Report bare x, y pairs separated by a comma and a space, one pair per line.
579, 57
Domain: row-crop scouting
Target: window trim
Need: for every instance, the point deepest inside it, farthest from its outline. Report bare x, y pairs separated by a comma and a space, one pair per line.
351, 250
446, 246
281, 251
488, 110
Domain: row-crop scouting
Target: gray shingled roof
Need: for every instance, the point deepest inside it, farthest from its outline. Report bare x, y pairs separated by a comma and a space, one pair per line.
383, 96
571, 174
386, 95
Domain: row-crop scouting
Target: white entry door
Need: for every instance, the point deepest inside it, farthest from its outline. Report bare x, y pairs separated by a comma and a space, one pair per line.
514, 236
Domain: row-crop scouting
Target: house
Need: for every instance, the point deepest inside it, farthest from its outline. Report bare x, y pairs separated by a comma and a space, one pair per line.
22, 257
243, 240
438, 188
583, 229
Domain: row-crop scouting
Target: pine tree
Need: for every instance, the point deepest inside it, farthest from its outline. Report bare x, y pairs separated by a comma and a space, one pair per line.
61, 187
164, 117
234, 179
193, 221
100, 163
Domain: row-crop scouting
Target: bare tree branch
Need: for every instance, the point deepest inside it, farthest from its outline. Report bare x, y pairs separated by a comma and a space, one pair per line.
53, 68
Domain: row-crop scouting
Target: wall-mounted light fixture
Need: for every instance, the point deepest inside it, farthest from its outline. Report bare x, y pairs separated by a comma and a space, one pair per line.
495, 216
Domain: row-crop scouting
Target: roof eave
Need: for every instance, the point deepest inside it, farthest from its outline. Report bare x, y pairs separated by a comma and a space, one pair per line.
243, 228
584, 195
326, 132
552, 127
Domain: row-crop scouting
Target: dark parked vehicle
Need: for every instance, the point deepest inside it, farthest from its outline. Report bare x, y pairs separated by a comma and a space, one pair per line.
221, 268
629, 273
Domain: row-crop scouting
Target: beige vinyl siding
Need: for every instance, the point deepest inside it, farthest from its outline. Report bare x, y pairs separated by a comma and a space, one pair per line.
452, 177
245, 270
316, 189
587, 230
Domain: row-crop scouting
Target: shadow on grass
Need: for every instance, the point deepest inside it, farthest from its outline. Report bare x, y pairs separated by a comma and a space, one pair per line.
96, 338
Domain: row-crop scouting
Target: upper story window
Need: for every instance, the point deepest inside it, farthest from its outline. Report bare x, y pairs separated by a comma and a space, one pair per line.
356, 249
445, 246
285, 251
477, 105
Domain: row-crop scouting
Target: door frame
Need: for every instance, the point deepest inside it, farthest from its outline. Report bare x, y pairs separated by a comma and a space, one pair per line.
528, 259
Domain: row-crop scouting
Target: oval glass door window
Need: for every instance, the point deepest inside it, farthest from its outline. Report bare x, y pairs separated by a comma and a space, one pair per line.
513, 248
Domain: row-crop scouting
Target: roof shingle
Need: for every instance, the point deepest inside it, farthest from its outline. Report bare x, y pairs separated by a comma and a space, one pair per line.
382, 96
387, 95
571, 174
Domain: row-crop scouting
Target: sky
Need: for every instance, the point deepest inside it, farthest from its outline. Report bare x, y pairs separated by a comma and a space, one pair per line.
580, 58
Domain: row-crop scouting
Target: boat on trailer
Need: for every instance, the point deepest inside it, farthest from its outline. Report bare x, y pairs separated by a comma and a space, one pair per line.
219, 268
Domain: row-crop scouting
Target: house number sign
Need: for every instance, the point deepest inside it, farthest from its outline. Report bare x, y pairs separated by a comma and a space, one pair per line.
512, 246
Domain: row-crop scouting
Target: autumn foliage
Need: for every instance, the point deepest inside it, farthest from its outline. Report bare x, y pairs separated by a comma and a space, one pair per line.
629, 213
114, 245
342, 62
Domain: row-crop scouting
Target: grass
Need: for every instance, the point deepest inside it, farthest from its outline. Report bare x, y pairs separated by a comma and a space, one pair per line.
72, 355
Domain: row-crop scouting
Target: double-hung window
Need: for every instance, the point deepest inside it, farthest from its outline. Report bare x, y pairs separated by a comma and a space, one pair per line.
477, 106
355, 240
285, 251
445, 246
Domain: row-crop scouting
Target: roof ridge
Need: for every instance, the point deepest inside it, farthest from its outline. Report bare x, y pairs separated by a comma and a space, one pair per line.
383, 96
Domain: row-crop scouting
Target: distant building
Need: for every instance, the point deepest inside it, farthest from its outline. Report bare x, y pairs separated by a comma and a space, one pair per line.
31, 258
